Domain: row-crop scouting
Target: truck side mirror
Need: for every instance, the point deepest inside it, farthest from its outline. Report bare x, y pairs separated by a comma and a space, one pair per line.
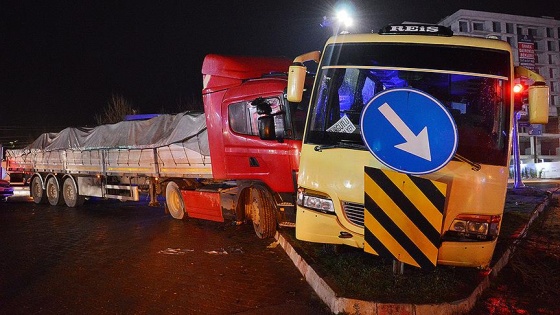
538, 104
266, 127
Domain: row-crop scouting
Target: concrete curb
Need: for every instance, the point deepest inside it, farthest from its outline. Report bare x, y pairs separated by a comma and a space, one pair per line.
352, 306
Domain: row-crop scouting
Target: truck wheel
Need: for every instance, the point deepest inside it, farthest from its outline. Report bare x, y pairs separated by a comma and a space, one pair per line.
70, 193
262, 211
54, 195
174, 201
37, 191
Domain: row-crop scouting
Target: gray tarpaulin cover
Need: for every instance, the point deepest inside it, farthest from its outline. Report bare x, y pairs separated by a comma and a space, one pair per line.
186, 129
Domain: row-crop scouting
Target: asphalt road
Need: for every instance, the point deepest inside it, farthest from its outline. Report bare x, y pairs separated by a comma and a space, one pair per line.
109, 257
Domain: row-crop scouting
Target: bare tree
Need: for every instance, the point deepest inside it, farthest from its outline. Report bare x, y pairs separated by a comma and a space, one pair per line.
117, 108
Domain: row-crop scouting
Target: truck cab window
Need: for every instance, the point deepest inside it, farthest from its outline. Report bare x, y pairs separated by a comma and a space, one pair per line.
243, 116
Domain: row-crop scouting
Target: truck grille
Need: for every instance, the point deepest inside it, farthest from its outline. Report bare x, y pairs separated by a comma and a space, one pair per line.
354, 212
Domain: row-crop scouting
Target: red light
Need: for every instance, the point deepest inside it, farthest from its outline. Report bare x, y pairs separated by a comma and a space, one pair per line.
518, 88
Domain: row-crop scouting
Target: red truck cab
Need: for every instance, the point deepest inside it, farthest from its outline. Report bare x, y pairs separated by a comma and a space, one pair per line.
259, 160
231, 86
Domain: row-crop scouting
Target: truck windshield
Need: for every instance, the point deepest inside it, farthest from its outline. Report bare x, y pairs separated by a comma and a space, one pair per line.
471, 83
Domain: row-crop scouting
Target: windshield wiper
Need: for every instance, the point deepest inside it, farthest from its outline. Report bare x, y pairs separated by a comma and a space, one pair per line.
344, 144
474, 166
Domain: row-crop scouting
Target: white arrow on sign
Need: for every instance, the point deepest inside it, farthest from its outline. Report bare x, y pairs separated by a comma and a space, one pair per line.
418, 145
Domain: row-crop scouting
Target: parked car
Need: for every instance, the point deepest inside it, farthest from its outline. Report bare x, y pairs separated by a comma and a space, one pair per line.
6, 190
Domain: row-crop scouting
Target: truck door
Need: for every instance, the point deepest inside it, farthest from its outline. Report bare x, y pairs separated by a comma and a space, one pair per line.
249, 157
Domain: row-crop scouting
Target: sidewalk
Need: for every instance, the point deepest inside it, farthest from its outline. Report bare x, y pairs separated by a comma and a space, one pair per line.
525, 204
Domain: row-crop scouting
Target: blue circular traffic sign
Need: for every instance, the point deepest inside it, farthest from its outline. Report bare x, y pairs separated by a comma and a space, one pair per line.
409, 131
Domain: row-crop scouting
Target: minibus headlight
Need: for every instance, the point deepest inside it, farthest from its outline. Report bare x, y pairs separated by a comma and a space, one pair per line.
315, 202
473, 227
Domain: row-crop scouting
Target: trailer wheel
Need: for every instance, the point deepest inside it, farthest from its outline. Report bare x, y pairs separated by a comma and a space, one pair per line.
54, 194
70, 193
37, 192
174, 201
262, 211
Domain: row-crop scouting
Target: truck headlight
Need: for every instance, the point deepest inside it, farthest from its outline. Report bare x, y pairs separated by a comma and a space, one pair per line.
314, 201
473, 227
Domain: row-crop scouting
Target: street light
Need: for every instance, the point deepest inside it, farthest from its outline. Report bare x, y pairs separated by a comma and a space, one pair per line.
344, 18
341, 21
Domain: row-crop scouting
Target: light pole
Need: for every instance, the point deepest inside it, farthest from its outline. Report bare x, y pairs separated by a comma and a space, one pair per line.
518, 182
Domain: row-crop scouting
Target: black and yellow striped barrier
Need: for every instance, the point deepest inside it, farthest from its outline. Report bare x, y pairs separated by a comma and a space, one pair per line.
403, 216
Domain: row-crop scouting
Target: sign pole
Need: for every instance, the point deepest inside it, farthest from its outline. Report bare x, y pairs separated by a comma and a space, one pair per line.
398, 268
518, 183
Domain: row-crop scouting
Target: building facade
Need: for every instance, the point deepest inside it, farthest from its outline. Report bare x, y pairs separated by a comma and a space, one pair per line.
536, 45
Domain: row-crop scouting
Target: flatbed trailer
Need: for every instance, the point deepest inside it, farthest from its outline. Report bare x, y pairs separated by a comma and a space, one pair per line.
193, 159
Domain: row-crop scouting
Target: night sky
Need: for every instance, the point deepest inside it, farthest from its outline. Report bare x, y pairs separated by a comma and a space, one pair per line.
60, 61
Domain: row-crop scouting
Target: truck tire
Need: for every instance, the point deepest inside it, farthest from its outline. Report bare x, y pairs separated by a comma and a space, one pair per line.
174, 201
54, 193
70, 193
36, 190
263, 211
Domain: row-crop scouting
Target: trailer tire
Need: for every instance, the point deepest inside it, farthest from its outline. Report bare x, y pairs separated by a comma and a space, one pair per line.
70, 193
36, 190
262, 210
174, 201
54, 193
